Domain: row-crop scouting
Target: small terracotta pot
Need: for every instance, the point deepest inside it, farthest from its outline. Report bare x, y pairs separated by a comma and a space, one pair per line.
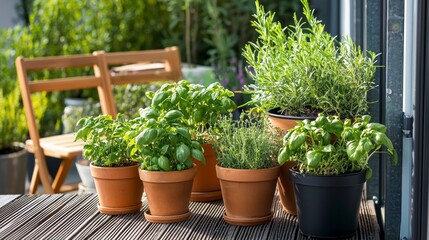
206, 185
247, 194
119, 189
168, 194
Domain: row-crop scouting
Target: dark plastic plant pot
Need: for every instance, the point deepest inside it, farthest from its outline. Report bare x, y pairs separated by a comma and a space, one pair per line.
12, 170
328, 206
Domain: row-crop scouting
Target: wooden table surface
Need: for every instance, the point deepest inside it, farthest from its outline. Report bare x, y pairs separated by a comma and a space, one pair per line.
75, 216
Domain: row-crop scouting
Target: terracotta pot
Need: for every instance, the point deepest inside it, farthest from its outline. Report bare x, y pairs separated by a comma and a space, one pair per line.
119, 189
206, 186
168, 194
285, 189
247, 194
284, 184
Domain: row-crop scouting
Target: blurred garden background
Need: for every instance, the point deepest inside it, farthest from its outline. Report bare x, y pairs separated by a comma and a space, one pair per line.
208, 32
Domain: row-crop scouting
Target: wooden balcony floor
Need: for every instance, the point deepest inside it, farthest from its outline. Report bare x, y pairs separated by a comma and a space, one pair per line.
75, 216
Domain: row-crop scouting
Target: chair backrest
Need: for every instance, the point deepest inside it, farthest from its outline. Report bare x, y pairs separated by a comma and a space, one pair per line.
141, 67
28, 87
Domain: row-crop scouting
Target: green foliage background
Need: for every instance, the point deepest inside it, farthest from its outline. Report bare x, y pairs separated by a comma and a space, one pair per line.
65, 27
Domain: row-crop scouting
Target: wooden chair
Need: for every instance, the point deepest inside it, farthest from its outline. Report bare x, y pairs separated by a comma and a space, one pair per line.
140, 67
61, 146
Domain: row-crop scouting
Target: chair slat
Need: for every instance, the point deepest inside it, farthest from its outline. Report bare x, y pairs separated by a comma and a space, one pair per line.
71, 83
142, 77
59, 62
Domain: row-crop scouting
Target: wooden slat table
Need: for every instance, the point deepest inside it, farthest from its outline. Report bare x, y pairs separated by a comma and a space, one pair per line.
75, 216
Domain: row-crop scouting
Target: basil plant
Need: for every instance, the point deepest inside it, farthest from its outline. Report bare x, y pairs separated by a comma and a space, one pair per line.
160, 141
330, 146
104, 142
201, 106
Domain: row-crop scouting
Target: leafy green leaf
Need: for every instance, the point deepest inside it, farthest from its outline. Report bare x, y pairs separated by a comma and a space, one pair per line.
283, 156
173, 115
184, 132
163, 163
183, 153
198, 154
146, 136
313, 158
297, 139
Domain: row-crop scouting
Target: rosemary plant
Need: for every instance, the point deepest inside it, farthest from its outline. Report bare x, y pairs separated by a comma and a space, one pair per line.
302, 70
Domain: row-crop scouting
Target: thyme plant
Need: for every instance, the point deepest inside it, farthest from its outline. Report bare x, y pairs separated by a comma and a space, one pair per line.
302, 70
248, 143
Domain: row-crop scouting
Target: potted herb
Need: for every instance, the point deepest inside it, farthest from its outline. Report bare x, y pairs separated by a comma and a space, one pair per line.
13, 155
247, 169
201, 108
111, 165
332, 158
163, 146
302, 70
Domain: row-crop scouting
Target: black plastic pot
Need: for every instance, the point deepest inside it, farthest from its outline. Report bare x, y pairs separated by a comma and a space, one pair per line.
12, 170
328, 206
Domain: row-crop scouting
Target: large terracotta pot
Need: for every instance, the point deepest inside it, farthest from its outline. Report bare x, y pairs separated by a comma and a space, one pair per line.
119, 189
247, 194
206, 185
168, 194
284, 184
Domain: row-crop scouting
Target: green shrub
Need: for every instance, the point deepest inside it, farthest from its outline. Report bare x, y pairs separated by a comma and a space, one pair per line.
65, 27
13, 127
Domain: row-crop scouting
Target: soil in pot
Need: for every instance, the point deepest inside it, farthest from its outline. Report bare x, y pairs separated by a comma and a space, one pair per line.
119, 189
247, 194
206, 186
328, 206
168, 194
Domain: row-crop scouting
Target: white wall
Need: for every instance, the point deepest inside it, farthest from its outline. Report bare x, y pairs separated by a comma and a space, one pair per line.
8, 14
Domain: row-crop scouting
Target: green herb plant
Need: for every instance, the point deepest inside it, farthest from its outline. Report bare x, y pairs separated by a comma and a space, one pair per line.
201, 106
105, 145
248, 143
13, 126
329, 146
161, 142
301, 70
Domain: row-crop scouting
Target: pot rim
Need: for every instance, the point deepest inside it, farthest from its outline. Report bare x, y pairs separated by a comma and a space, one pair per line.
22, 151
274, 113
340, 180
247, 175
164, 176
114, 172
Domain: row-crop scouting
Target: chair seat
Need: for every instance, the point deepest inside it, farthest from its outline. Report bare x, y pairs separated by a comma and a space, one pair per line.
60, 146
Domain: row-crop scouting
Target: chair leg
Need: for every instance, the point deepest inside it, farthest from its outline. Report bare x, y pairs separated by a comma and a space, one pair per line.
35, 180
62, 174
